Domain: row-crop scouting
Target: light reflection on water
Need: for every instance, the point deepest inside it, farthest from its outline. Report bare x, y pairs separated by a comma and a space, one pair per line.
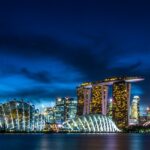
74, 141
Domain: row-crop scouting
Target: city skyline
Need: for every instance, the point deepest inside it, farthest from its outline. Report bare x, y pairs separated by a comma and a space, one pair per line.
74, 74
47, 48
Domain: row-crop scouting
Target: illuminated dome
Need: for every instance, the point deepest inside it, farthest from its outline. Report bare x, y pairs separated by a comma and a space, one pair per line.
20, 116
90, 123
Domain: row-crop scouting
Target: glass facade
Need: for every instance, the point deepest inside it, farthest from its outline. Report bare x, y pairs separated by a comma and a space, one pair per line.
135, 111
71, 108
109, 108
66, 108
49, 115
60, 110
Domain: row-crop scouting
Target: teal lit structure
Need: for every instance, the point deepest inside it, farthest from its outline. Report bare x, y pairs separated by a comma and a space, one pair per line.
20, 116
65, 109
94, 123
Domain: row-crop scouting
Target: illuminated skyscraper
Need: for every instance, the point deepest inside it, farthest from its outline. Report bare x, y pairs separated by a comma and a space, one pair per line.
109, 109
87, 101
60, 110
121, 99
148, 113
135, 112
65, 109
121, 89
49, 115
92, 99
80, 98
71, 108
99, 99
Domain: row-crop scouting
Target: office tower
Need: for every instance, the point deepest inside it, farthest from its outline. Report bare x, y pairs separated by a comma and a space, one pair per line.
60, 110
71, 108
65, 109
109, 108
135, 112
49, 115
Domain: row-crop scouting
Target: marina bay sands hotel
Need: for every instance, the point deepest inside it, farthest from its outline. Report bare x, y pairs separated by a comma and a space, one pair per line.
93, 98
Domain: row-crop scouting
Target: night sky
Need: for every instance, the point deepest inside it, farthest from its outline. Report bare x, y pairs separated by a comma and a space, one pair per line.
47, 48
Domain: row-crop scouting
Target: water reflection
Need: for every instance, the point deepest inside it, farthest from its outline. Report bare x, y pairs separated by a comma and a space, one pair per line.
139, 142
111, 142
74, 141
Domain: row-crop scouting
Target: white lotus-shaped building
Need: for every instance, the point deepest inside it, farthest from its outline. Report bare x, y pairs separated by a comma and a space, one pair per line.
95, 123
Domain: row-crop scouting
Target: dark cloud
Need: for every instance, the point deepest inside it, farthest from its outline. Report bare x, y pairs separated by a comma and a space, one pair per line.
91, 59
38, 76
92, 38
31, 93
36, 94
42, 76
131, 69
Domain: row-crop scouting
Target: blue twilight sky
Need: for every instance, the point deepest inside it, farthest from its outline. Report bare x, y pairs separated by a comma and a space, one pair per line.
48, 47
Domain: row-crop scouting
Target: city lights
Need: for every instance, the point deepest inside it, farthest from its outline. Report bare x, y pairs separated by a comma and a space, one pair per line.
93, 110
